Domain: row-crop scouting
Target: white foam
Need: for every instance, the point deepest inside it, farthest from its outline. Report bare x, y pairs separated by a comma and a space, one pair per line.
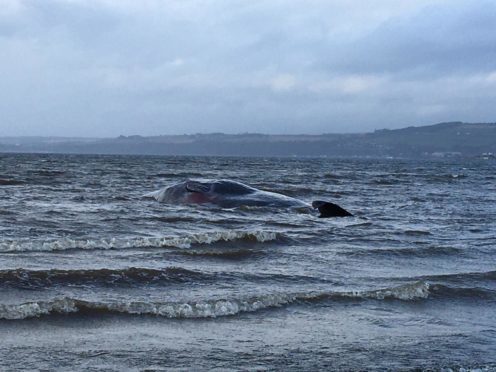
120, 243
36, 309
411, 291
204, 309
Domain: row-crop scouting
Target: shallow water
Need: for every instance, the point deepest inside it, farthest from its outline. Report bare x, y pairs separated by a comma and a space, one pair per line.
95, 277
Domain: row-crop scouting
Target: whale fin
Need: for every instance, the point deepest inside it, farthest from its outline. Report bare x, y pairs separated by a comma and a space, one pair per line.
328, 209
157, 195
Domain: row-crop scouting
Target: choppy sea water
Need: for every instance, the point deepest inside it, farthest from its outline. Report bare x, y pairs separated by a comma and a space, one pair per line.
95, 277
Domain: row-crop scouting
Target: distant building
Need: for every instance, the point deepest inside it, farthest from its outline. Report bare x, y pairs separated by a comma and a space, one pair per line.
446, 154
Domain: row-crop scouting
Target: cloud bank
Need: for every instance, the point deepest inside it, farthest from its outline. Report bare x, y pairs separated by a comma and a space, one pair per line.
110, 67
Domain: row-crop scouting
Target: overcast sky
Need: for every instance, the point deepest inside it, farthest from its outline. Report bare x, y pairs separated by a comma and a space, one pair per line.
149, 67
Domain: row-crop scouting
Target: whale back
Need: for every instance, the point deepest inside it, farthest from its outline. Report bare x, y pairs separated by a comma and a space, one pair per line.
226, 187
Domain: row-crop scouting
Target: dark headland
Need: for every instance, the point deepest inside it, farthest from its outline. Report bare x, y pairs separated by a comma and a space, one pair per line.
439, 140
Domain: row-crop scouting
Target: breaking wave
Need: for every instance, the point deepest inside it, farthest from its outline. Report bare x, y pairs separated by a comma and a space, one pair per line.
203, 309
141, 242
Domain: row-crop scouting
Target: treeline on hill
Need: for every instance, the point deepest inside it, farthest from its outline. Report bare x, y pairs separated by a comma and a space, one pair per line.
444, 139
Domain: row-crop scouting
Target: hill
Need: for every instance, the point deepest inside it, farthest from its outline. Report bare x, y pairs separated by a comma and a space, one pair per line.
443, 139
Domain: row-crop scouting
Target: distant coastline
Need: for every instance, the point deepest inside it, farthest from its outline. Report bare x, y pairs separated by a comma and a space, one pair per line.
453, 139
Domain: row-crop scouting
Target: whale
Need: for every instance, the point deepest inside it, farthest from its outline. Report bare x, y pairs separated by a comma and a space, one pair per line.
231, 194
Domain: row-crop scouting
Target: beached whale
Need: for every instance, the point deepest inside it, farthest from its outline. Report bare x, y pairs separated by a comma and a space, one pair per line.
230, 194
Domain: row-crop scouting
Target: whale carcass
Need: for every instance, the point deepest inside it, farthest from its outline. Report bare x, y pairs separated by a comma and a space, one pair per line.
230, 194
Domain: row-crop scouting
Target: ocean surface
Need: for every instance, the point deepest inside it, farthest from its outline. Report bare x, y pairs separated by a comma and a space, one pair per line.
95, 277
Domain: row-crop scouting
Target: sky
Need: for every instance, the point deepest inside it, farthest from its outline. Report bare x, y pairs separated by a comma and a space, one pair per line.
103, 68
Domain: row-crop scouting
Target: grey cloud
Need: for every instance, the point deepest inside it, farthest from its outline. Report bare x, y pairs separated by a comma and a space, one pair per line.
114, 67
438, 40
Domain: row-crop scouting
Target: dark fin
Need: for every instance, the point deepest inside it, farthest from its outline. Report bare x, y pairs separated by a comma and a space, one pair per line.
195, 186
327, 209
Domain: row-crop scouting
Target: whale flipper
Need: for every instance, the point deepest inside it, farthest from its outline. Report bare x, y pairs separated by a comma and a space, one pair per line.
328, 209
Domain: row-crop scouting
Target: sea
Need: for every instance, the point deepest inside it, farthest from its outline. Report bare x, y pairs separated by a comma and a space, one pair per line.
95, 277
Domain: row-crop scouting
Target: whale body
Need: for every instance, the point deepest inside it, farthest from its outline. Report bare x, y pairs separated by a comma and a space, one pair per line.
230, 194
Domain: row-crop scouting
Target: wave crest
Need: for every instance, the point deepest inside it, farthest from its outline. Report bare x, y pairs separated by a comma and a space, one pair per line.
204, 309
412, 291
141, 242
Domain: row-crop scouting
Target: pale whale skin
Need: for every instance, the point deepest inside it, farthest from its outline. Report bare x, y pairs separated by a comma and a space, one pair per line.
230, 194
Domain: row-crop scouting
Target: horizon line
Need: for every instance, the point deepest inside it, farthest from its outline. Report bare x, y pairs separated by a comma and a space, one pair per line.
237, 134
